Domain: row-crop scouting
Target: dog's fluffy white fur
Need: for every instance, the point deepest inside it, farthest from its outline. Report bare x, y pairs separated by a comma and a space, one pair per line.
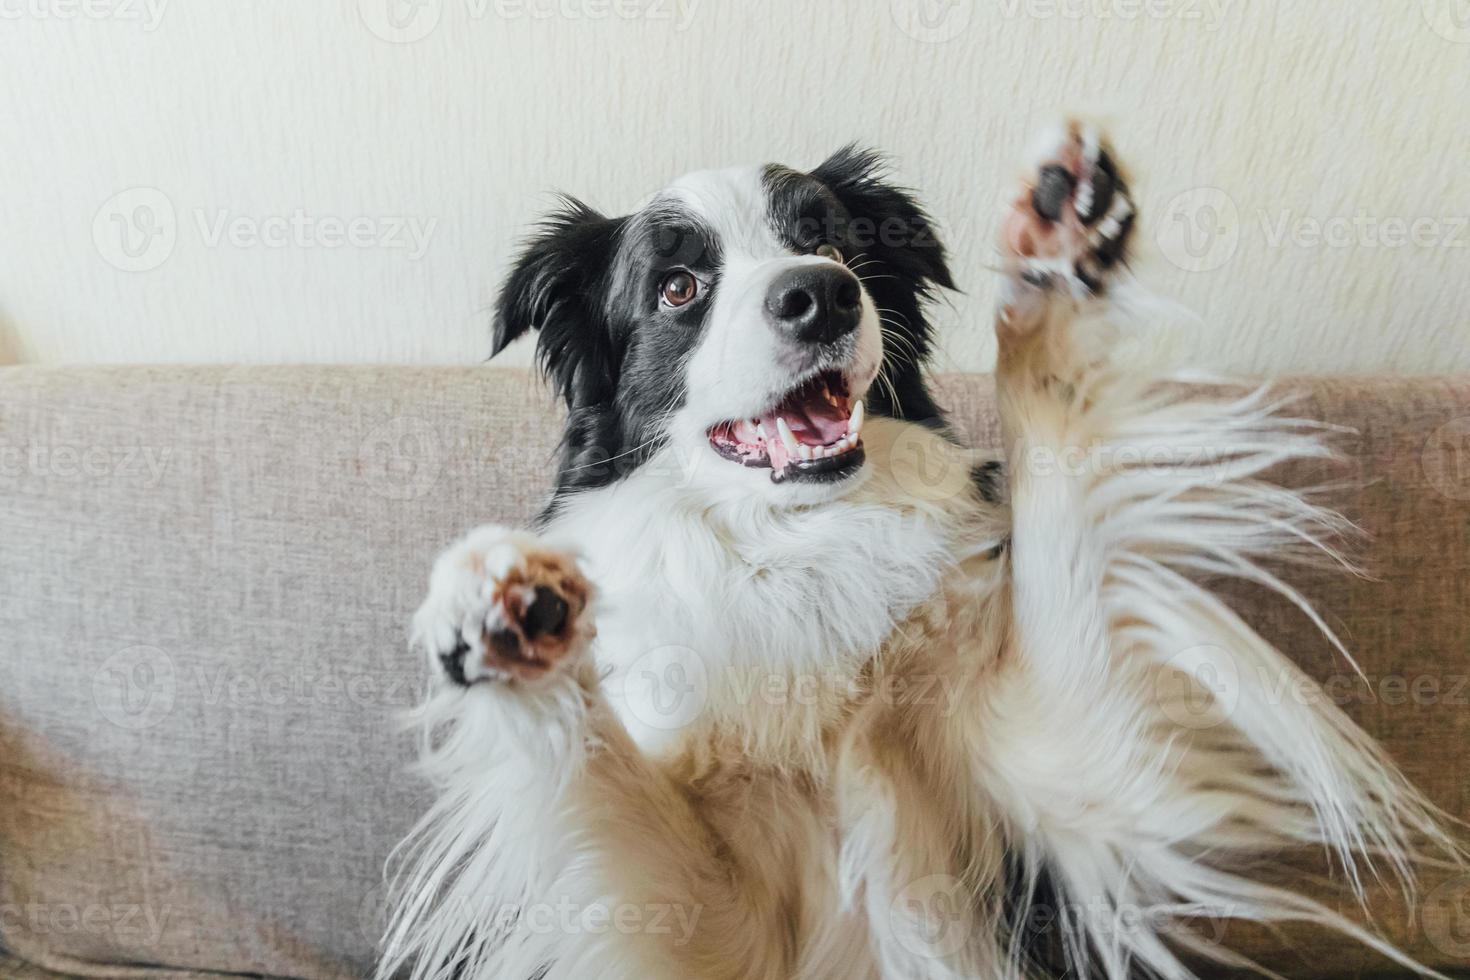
855, 736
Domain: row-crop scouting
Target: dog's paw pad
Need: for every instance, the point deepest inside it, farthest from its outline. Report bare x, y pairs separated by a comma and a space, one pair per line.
509, 610
1070, 222
531, 623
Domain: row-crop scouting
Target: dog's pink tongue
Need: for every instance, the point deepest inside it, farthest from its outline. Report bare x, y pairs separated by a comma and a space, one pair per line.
814, 422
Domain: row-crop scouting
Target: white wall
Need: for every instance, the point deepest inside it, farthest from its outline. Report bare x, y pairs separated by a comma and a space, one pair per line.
1293, 111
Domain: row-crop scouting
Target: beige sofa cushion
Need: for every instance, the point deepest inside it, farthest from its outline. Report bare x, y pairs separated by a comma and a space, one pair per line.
204, 579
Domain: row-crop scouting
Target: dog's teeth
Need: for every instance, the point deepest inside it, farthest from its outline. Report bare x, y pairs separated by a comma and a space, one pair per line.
804, 451
787, 439
760, 430
855, 423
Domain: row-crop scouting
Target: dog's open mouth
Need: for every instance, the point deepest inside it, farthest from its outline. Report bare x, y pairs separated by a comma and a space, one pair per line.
813, 433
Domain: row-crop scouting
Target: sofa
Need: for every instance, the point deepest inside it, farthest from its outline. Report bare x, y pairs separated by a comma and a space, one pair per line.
205, 576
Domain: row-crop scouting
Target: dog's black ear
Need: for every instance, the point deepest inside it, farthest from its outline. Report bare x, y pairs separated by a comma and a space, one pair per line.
557, 287
893, 232
896, 227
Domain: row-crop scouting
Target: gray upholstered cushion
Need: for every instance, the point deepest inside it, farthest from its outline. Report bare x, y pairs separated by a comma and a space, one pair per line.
204, 579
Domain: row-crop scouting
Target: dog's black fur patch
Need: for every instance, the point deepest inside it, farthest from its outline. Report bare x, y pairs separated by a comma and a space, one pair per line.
989, 478
1041, 930
891, 243
588, 284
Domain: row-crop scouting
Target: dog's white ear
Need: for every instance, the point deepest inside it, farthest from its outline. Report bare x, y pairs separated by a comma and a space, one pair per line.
553, 288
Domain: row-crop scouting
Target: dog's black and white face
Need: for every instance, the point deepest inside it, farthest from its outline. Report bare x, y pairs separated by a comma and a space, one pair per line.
744, 320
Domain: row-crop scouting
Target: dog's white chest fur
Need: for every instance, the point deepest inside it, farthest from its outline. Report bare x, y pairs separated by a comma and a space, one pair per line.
754, 614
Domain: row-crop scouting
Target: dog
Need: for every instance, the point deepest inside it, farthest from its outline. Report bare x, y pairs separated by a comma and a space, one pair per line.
784, 684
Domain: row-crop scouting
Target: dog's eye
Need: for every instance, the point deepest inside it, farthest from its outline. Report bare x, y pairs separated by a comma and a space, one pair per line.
678, 288
830, 252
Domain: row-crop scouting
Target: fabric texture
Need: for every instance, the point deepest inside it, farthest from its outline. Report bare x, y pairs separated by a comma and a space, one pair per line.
205, 578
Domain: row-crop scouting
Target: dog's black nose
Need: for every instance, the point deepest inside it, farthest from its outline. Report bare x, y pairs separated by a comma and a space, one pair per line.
815, 304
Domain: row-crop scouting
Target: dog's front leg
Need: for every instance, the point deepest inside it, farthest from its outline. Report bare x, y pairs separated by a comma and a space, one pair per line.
1061, 238
555, 849
1132, 734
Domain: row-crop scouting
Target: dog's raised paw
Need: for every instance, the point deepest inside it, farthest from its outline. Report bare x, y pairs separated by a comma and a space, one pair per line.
1069, 224
503, 608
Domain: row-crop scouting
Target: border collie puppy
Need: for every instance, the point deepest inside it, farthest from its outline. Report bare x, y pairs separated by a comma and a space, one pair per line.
781, 686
